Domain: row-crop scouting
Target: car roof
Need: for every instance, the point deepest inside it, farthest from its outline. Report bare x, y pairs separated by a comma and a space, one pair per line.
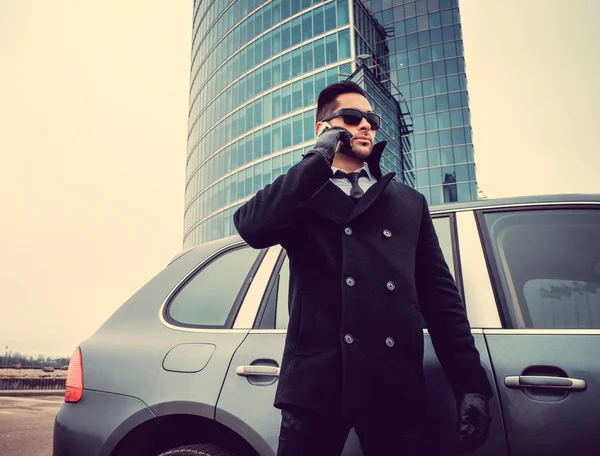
566, 198
518, 200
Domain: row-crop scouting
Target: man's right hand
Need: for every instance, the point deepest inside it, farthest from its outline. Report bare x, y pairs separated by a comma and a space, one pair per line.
329, 140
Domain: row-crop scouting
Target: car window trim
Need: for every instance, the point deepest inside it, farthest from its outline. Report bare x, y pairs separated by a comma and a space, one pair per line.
490, 258
454, 245
425, 331
470, 207
197, 270
548, 332
256, 292
269, 289
481, 305
244, 288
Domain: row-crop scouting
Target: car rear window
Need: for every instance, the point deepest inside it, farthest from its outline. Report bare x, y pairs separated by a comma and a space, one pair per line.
547, 266
211, 297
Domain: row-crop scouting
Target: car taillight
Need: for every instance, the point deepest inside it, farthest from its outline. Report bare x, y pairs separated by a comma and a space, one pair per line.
74, 384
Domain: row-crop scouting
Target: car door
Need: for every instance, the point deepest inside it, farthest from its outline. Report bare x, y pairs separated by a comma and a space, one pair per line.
246, 401
460, 251
545, 262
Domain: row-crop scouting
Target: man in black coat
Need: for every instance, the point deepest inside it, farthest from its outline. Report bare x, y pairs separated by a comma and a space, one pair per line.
365, 264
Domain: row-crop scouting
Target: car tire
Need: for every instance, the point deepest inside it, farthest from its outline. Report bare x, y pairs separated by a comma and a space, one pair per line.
204, 449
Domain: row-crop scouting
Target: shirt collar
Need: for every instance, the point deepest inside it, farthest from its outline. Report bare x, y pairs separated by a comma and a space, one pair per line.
365, 167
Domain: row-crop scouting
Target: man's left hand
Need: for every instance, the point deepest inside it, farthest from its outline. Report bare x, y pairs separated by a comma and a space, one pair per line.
473, 422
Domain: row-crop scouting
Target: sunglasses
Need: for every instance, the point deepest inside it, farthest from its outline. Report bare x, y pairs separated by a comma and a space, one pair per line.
354, 117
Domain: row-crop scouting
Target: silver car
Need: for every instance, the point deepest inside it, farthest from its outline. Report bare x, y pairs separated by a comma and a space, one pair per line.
192, 359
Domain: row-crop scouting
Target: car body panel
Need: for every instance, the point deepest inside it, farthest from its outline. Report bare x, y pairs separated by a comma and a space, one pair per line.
549, 422
112, 368
246, 403
442, 405
95, 425
131, 346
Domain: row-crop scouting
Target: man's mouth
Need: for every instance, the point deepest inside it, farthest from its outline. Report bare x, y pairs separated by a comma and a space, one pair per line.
365, 139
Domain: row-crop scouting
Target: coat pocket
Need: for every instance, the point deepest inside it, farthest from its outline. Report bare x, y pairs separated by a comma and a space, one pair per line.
417, 334
305, 341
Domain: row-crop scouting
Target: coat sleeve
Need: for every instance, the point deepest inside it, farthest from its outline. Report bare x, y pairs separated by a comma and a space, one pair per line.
269, 216
445, 315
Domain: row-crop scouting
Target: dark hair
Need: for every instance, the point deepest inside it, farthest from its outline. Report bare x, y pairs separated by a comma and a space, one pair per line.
327, 102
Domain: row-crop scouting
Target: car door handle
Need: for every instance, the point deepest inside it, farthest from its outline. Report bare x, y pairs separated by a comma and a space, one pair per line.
263, 371
540, 381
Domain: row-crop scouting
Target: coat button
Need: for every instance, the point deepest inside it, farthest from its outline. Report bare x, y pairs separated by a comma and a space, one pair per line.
348, 230
390, 342
348, 338
387, 233
391, 286
350, 281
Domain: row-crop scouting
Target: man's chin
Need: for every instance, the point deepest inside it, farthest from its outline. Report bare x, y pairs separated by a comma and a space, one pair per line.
360, 153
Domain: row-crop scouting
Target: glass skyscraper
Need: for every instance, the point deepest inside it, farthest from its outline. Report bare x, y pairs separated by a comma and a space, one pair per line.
428, 67
258, 67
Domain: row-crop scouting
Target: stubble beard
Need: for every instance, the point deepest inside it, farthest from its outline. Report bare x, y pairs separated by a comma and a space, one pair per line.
360, 154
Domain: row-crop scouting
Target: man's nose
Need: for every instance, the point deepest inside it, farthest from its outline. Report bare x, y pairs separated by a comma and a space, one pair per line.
364, 125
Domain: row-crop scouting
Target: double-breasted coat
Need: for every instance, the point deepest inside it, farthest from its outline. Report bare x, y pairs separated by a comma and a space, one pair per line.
361, 274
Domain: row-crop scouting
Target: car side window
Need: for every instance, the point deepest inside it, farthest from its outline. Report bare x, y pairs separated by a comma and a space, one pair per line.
279, 294
210, 298
547, 266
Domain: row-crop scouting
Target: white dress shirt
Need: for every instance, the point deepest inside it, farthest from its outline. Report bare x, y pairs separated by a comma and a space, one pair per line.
364, 182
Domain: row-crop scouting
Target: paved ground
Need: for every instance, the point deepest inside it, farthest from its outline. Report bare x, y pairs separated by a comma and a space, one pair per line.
26, 425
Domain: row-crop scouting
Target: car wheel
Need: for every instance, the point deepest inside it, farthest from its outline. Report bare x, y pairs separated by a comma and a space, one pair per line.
198, 450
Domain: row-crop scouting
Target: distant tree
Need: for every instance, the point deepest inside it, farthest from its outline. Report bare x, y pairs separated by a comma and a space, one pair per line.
59, 362
12, 358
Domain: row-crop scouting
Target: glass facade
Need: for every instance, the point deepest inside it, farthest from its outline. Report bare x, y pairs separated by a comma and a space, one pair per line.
257, 69
428, 67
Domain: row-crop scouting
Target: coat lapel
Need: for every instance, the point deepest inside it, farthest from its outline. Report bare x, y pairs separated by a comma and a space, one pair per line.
370, 196
331, 202
375, 158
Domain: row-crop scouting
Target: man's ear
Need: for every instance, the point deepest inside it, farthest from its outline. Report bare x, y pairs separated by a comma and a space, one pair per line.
320, 125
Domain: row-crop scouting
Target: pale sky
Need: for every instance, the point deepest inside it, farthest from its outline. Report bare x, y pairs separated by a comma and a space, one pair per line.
93, 126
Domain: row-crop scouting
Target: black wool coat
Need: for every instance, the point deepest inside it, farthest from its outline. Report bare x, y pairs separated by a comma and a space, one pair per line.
361, 275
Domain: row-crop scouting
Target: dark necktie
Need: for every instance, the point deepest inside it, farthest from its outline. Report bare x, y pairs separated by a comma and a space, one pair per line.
355, 191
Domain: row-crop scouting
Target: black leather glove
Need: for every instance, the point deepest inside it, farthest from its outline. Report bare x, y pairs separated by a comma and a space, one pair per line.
473, 423
328, 141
